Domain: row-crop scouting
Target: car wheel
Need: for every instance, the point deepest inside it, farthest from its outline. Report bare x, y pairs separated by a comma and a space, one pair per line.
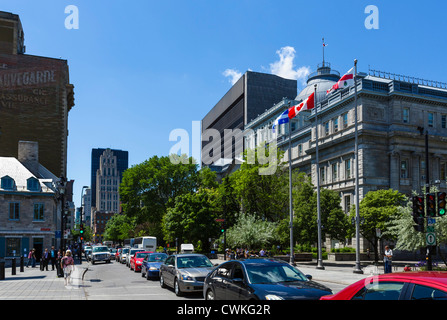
210, 295
177, 290
162, 281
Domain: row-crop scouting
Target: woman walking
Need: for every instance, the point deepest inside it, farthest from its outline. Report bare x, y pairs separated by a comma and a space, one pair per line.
67, 264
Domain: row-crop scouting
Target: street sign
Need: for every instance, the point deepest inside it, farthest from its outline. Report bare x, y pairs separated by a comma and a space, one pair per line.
431, 239
220, 220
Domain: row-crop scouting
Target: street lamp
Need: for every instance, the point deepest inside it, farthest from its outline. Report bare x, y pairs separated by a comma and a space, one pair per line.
81, 219
61, 185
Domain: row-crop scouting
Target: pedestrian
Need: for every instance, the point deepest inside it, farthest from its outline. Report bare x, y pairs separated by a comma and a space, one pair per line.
67, 264
30, 258
53, 257
45, 259
387, 259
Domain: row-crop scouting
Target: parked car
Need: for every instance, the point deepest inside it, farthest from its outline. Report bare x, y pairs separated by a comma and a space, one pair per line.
87, 252
123, 255
185, 272
137, 259
418, 285
261, 279
150, 267
132, 251
113, 252
100, 253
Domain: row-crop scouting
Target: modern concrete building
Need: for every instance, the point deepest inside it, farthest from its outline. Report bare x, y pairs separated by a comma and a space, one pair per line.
250, 96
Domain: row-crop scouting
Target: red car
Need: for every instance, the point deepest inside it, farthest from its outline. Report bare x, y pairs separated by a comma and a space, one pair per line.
137, 259
419, 285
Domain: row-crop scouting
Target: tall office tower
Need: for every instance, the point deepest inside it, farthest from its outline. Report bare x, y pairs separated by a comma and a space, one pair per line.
105, 202
122, 163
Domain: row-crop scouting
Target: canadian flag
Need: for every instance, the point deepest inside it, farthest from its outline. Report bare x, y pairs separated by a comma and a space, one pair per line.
346, 81
307, 104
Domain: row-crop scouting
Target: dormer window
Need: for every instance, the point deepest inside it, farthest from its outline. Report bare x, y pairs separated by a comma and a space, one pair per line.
32, 184
7, 183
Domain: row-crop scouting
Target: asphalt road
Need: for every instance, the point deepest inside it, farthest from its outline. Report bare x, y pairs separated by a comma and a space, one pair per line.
115, 281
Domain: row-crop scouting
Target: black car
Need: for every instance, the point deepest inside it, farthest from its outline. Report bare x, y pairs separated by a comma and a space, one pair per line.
260, 279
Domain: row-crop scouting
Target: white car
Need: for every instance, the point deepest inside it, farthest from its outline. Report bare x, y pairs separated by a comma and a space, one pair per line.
100, 253
124, 254
132, 251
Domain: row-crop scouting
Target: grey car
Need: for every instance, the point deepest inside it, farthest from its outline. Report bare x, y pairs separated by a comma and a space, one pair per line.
185, 272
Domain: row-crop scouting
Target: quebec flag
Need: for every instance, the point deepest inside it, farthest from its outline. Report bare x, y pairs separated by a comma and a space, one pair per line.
283, 118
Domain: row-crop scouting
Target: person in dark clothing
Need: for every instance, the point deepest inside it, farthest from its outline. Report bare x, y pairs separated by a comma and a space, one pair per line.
53, 257
45, 259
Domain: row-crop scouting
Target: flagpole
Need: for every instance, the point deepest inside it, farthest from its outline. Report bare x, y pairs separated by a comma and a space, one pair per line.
357, 268
292, 254
320, 260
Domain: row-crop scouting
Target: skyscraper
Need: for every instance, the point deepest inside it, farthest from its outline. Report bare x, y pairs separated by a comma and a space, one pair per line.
107, 171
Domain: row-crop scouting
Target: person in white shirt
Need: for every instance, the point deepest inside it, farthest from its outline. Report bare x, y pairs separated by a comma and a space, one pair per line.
387, 259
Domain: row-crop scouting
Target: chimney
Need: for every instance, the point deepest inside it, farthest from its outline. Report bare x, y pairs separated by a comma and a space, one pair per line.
29, 156
11, 34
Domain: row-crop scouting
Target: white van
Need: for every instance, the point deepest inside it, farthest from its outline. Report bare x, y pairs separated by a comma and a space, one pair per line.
186, 248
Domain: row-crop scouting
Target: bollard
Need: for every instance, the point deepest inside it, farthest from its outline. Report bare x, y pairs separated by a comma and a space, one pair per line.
2, 270
13, 270
22, 264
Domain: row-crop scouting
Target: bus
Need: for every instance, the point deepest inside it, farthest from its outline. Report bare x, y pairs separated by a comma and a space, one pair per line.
146, 243
128, 242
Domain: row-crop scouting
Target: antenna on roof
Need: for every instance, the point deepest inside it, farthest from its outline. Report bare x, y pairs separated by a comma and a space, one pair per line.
324, 45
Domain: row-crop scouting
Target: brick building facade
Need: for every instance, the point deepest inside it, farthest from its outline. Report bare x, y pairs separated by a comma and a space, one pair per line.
35, 99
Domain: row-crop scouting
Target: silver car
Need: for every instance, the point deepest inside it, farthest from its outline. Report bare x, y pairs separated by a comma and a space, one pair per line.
100, 253
185, 272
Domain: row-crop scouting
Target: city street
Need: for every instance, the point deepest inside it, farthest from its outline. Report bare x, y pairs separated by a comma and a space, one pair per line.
115, 281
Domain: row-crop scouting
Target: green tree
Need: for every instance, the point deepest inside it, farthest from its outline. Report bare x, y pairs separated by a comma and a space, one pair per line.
375, 210
192, 218
251, 232
261, 195
119, 228
150, 188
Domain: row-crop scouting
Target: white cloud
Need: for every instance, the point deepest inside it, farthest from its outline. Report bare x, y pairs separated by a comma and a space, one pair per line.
234, 75
285, 66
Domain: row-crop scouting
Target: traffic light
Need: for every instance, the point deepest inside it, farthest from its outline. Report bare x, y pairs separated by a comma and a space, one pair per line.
222, 227
81, 231
431, 204
418, 213
441, 203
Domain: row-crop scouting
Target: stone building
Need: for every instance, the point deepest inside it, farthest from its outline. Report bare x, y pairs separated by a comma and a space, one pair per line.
393, 110
35, 98
29, 203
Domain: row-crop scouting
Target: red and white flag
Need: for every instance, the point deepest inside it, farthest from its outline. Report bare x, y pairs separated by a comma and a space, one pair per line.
346, 81
307, 104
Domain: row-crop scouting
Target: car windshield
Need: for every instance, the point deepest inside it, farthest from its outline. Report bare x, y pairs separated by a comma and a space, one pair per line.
132, 251
157, 257
100, 249
193, 262
141, 255
273, 273
125, 250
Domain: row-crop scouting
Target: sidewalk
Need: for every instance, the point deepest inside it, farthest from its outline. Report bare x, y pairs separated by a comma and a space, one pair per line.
33, 284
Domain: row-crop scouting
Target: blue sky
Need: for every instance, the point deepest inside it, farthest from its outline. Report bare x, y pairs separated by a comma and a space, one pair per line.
150, 67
